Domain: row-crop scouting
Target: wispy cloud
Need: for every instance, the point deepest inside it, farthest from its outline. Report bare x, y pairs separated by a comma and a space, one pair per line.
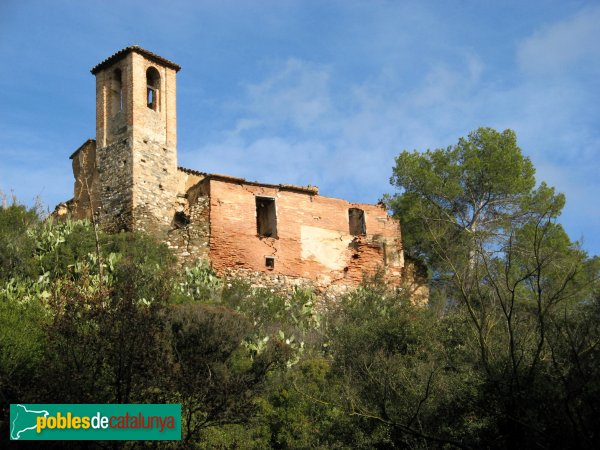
297, 94
298, 126
559, 47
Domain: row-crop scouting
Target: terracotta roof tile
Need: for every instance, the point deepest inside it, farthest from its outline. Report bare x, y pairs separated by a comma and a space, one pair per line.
134, 48
313, 190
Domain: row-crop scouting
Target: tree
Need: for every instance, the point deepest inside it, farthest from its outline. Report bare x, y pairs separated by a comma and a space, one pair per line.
16, 246
493, 243
463, 192
407, 379
107, 338
214, 375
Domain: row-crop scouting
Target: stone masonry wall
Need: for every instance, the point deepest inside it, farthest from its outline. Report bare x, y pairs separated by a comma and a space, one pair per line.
85, 189
155, 188
189, 236
326, 296
137, 146
115, 180
113, 124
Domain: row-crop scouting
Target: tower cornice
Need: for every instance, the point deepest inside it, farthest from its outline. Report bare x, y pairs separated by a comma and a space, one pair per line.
134, 48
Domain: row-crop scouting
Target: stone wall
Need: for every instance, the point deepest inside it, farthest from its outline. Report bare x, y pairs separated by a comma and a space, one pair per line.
136, 158
155, 187
154, 148
114, 121
85, 190
326, 297
286, 284
114, 164
190, 233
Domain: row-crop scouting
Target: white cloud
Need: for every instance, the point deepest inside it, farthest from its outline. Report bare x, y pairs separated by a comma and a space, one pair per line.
561, 46
298, 127
297, 94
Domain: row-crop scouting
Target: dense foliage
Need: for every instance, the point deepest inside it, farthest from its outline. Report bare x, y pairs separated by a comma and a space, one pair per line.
505, 356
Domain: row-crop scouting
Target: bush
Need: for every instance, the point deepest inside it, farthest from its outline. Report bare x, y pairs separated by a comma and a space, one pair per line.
16, 245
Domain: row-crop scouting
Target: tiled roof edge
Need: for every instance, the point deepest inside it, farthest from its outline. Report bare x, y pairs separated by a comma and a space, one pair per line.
89, 141
134, 48
313, 190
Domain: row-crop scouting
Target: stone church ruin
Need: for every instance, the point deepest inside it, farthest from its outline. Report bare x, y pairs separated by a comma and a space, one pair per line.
271, 234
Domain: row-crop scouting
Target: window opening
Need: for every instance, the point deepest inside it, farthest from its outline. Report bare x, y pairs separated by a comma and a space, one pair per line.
151, 98
266, 217
181, 219
356, 218
270, 262
153, 88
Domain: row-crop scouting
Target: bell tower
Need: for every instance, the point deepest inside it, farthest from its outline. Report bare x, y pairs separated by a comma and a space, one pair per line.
136, 140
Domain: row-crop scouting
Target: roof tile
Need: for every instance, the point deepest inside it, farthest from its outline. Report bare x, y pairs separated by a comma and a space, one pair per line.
134, 48
313, 190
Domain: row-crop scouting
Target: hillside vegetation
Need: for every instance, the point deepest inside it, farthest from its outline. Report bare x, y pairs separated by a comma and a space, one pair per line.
506, 354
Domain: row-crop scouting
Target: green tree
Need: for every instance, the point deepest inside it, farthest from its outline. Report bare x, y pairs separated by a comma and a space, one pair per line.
16, 245
464, 192
22, 316
500, 259
406, 375
22, 341
107, 338
213, 374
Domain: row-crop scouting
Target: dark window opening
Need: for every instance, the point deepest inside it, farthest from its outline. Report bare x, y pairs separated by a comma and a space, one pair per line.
151, 98
266, 217
181, 219
116, 93
270, 262
153, 88
356, 218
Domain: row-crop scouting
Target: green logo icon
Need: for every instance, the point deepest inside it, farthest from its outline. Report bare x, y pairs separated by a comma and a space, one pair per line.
95, 422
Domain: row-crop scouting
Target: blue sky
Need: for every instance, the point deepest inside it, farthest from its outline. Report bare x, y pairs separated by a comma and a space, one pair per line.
320, 92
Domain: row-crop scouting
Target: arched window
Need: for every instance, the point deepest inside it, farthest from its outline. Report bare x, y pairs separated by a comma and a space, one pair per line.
116, 93
153, 83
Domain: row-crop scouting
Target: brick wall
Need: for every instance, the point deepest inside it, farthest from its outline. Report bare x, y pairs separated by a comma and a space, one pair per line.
313, 238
